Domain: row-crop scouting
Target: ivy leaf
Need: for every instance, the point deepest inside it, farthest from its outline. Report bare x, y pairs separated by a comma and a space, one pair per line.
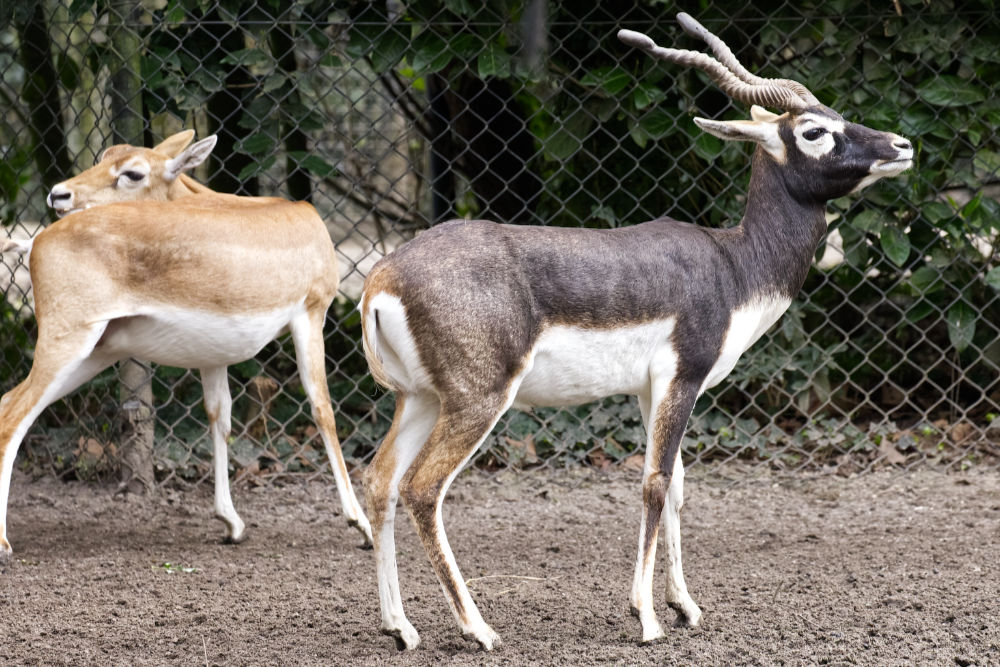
389, 49
255, 168
638, 135
707, 147
936, 211
314, 164
657, 123
926, 280
248, 58
465, 47
961, 325
430, 53
993, 278
868, 221
256, 144
646, 94
612, 79
460, 7
493, 61
950, 91
895, 244
562, 144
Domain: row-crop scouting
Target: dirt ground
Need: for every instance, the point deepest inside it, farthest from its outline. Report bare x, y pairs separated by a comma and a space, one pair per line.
884, 568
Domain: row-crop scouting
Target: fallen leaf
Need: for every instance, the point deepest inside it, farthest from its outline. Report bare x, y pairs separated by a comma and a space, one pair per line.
634, 462
887, 450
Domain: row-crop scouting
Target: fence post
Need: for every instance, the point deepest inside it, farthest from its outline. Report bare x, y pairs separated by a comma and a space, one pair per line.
135, 377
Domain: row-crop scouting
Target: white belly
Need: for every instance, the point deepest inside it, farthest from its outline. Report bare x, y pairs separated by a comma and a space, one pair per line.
194, 339
572, 365
746, 325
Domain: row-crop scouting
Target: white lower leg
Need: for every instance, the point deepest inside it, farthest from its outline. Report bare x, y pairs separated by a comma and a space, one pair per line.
642, 581
415, 423
307, 335
394, 621
345, 490
677, 593
471, 621
7, 471
22, 405
219, 406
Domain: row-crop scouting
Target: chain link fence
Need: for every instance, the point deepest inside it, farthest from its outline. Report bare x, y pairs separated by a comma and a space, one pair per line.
392, 117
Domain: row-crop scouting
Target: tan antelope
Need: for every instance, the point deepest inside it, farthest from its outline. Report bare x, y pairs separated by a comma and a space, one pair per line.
472, 317
148, 263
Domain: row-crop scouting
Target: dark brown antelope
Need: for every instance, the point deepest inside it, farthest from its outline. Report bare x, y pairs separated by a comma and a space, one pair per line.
148, 263
473, 317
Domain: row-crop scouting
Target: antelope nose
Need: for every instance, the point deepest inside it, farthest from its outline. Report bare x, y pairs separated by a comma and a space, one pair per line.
902, 144
60, 197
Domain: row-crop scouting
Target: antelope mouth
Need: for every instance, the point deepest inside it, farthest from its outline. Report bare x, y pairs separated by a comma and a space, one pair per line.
897, 165
63, 212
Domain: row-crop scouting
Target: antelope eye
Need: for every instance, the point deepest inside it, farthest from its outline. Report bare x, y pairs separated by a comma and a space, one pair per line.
813, 134
133, 175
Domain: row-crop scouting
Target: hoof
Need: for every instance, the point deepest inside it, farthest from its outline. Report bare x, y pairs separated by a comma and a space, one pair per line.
239, 539
487, 640
6, 555
652, 631
654, 634
687, 616
406, 639
366, 532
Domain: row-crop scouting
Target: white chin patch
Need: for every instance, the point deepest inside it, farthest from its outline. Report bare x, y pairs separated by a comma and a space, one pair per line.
883, 170
64, 213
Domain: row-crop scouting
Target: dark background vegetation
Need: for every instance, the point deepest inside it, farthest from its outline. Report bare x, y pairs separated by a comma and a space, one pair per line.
391, 117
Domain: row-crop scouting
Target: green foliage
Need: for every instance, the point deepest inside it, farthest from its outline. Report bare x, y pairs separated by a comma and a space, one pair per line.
917, 295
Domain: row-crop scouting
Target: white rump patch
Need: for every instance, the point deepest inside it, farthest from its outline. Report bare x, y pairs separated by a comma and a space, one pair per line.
395, 345
746, 325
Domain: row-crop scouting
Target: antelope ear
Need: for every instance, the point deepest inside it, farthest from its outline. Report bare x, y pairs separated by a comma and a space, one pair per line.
189, 158
175, 143
762, 132
761, 114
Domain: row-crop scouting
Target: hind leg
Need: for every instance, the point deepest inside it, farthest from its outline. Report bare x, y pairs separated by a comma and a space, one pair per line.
219, 408
414, 418
456, 436
59, 367
310, 355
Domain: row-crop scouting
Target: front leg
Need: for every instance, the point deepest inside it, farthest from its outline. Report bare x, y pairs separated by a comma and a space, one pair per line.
665, 413
219, 407
678, 599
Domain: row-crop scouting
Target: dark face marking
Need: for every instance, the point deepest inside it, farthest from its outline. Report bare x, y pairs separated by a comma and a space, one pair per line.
829, 157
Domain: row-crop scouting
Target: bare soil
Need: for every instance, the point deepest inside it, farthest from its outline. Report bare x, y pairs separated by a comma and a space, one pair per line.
883, 568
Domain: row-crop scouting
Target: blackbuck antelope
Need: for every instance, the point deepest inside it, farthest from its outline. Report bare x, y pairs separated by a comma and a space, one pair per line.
472, 317
181, 276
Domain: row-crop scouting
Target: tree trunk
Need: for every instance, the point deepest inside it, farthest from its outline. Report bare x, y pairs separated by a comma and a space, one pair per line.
297, 180
495, 148
442, 179
213, 39
41, 97
135, 377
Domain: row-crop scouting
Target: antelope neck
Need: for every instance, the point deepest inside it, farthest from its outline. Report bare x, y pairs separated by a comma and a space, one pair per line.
779, 233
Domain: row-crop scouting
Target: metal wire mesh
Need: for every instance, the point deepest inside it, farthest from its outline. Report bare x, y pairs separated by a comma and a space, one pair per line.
390, 118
